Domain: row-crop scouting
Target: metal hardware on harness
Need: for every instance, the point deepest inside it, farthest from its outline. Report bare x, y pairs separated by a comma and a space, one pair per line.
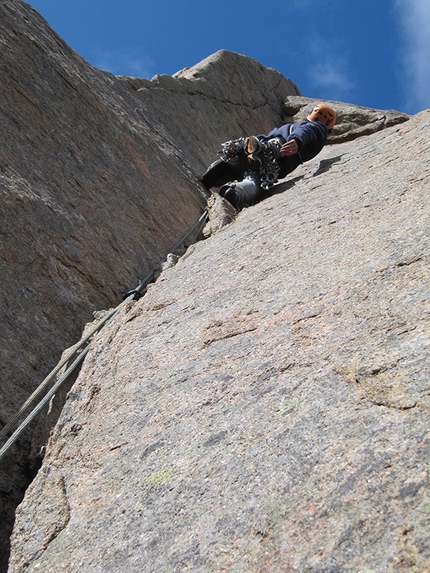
267, 156
231, 149
270, 153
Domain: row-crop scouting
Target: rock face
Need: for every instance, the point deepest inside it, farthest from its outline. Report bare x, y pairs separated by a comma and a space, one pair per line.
225, 96
82, 213
352, 120
98, 180
265, 407
95, 191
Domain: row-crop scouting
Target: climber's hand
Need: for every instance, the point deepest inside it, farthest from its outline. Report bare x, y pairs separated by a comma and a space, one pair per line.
289, 148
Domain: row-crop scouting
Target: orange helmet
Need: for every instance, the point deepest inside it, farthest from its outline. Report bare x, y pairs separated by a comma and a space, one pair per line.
323, 114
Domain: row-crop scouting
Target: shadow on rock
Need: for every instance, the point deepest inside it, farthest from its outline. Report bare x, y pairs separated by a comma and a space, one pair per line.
326, 164
280, 188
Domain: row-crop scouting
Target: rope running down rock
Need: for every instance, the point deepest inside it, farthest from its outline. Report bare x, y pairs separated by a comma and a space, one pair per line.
83, 346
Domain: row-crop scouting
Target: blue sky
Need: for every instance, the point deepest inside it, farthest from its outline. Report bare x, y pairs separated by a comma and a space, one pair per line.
373, 53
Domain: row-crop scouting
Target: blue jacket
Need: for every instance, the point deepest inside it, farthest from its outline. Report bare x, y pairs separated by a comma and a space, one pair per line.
311, 137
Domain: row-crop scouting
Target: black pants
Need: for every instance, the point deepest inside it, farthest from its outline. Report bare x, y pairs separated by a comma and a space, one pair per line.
220, 172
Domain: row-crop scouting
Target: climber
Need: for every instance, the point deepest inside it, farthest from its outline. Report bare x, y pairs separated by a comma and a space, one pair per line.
250, 165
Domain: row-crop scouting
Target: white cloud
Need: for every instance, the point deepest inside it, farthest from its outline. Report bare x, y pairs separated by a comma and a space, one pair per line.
330, 68
415, 19
130, 62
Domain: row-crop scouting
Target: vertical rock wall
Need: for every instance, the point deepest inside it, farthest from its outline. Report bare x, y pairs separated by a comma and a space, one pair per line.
265, 407
95, 191
98, 180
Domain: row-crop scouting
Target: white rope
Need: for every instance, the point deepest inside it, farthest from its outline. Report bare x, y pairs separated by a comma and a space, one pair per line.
85, 340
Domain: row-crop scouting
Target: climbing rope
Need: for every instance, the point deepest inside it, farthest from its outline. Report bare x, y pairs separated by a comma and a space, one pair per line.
79, 351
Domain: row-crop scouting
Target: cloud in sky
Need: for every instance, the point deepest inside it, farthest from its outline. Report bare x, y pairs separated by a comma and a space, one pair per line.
131, 62
330, 68
415, 20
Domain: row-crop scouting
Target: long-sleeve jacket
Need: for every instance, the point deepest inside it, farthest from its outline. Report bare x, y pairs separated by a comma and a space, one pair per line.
311, 137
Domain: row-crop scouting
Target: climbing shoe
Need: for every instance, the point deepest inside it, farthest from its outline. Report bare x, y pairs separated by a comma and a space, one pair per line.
252, 144
253, 148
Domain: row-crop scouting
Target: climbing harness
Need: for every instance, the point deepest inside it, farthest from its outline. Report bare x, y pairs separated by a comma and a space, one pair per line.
78, 352
265, 158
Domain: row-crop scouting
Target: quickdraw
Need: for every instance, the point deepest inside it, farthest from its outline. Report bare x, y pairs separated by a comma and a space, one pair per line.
270, 167
231, 149
267, 157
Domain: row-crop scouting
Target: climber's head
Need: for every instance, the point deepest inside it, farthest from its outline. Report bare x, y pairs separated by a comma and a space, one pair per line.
324, 114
